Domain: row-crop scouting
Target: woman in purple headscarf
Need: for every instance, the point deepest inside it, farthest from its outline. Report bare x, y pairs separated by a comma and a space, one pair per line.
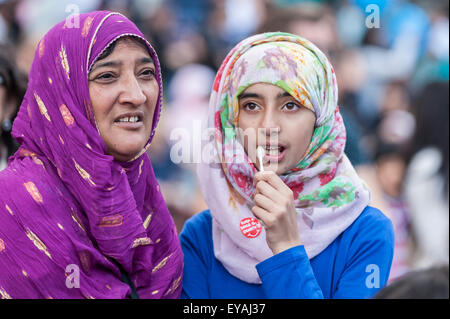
81, 213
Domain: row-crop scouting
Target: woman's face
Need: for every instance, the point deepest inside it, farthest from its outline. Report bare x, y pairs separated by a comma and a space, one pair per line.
124, 93
271, 118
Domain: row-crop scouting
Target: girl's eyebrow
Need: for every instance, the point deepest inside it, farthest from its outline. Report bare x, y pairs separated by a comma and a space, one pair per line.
284, 94
248, 95
258, 96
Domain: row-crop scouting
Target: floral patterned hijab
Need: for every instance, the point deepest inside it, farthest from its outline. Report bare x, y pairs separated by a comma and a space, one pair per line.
328, 194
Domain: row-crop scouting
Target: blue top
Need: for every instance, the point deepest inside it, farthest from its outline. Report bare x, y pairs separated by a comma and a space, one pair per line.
355, 265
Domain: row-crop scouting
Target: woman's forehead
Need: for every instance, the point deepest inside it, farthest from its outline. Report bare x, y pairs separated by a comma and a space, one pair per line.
123, 49
132, 42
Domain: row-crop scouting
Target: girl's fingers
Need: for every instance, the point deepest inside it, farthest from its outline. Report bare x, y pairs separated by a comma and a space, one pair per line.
274, 180
267, 190
264, 202
264, 216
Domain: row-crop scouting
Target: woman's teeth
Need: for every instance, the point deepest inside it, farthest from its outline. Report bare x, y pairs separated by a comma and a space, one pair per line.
129, 119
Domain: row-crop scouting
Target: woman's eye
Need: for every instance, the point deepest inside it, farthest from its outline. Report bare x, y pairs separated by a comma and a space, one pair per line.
105, 76
148, 73
251, 106
291, 106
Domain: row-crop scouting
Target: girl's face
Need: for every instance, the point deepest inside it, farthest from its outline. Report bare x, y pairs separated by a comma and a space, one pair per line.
124, 93
271, 118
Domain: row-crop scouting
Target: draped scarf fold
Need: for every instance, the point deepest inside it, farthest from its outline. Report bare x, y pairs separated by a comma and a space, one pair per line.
328, 194
67, 208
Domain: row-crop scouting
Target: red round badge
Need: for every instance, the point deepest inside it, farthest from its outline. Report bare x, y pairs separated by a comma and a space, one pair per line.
250, 227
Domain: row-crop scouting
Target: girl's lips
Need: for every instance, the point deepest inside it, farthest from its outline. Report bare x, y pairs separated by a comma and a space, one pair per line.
275, 158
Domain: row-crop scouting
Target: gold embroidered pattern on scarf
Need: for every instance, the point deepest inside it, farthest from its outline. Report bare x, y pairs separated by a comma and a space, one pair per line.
38, 243
34, 192
42, 107
85, 175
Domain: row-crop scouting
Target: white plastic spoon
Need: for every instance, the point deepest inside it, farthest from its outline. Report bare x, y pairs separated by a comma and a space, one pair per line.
260, 153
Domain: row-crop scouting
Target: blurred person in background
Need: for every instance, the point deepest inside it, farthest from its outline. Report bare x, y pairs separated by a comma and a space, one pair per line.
312, 20
184, 120
434, 65
176, 150
350, 74
10, 29
429, 283
427, 178
386, 176
390, 164
12, 89
391, 48
177, 28
32, 19
230, 21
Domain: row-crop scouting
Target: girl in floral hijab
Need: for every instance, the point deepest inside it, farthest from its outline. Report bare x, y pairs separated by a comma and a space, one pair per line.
302, 228
76, 222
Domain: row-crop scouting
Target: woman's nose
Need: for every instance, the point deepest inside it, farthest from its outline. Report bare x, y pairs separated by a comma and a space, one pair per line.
132, 92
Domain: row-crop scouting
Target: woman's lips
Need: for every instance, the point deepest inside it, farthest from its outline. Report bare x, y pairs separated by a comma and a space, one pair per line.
129, 125
130, 121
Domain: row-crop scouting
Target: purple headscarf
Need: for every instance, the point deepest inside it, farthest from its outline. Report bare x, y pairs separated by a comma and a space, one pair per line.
67, 206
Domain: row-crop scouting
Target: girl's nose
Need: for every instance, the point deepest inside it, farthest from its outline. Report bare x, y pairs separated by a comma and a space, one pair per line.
270, 123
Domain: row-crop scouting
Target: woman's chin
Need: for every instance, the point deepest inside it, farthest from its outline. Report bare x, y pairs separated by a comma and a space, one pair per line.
125, 154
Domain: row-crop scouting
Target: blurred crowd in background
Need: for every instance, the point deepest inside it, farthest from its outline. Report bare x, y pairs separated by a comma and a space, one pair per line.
391, 62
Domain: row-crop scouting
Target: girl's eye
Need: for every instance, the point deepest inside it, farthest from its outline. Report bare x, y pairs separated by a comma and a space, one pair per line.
251, 107
291, 106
